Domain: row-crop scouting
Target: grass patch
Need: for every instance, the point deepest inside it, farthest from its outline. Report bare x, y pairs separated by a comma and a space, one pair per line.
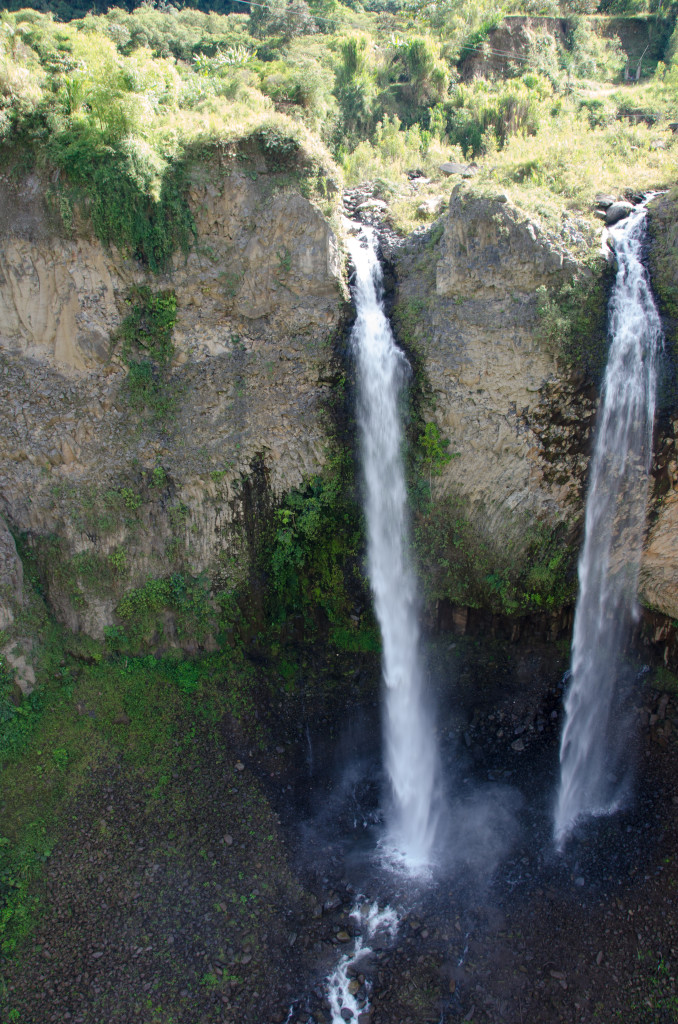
665, 680
144, 711
311, 560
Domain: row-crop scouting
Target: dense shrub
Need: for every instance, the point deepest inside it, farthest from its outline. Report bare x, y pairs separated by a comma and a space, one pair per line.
285, 18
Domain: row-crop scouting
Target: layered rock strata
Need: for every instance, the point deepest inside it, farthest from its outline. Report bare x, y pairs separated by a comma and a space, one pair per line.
517, 421
258, 300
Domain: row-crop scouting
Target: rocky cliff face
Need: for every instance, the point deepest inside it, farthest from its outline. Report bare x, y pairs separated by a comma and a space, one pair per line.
109, 494
511, 42
659, 572
516, 419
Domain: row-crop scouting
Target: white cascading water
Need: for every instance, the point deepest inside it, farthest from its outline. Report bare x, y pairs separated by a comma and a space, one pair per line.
371, 921
410, 747
592, 742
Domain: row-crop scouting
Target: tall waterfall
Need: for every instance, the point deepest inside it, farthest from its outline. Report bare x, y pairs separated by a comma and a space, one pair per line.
410, 748
592, 743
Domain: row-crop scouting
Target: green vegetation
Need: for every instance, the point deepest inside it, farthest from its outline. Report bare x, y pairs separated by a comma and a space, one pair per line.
522, 571
116, 110
96, 510
147, 349
665, 680
141, 613
312, 560
573, 321
119, 108
145, 711
659, 1002
434, 453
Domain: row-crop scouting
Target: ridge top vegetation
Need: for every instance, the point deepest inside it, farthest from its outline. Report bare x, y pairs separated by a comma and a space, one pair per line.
116, 107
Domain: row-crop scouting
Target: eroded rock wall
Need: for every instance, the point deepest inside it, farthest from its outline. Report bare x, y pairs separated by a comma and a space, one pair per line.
94, 482
659, 571
517, 421
518, 417
109, 496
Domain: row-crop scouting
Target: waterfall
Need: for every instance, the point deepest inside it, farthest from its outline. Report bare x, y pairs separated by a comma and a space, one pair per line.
592, 742
410, 748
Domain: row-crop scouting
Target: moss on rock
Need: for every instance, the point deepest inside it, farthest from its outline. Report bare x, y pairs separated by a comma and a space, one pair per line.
663, 258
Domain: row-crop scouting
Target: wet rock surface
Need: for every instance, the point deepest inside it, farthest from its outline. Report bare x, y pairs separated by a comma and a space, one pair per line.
225, 893
257, 302
535, 935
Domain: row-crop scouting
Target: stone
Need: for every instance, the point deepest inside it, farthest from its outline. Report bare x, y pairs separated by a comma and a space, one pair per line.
658, 581
465, 170
518, 745
346, 1013
271, 287
24, 671
431, 206
343, 936
618, 211
373, 204
11, 578
605, 200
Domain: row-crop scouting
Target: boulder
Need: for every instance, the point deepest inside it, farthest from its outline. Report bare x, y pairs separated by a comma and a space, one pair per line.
431, 206
618, 211
11, 578
466, 170
373, 204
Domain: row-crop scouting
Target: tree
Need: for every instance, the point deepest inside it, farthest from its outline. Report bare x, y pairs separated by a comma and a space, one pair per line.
286, 18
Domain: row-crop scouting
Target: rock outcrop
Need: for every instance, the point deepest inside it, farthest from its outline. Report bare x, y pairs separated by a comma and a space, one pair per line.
517, 421
83, 473
659, 571
110, 495
13, 600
